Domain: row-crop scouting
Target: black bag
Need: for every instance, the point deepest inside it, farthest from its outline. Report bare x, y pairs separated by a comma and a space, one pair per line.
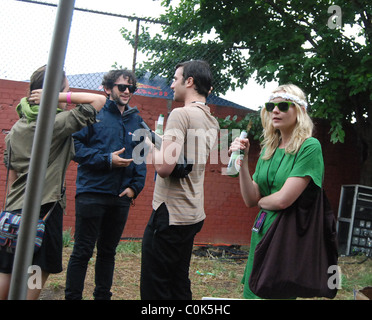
181, 170
293, 257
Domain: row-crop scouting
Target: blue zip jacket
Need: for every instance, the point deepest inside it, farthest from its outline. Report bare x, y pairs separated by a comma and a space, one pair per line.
94, 145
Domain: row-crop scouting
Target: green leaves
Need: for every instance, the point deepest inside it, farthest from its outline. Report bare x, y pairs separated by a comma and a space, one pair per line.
337, 133
285, 41
234, 127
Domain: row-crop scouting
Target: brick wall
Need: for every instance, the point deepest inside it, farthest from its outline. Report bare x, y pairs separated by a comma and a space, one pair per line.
228, 220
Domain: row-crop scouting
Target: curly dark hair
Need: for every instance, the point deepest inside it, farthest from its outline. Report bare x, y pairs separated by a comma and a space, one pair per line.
110, 77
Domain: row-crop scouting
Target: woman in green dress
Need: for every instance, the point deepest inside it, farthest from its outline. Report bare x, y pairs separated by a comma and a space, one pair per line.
291, 162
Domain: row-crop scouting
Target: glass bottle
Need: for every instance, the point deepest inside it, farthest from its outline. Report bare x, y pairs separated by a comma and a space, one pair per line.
236, 159
160, 124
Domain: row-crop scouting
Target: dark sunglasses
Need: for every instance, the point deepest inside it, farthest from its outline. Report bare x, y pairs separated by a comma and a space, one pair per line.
282, 106
123, 87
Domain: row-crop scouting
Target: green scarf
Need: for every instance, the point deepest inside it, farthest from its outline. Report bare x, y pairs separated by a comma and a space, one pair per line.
29, 111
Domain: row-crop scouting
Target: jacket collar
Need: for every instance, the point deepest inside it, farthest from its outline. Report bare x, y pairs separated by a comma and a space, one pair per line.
112, 107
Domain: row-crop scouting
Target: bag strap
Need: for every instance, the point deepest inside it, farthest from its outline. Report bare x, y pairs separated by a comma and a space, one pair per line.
49, 212
6, 183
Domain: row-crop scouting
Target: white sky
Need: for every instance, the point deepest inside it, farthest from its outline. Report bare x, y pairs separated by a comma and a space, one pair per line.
24, 49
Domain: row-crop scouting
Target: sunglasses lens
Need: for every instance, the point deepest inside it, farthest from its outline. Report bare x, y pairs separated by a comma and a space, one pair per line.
132, 88
284, 106
269, 106
123, 87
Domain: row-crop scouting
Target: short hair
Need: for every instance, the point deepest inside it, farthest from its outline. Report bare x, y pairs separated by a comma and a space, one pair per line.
110, 77
37, 79
200, 71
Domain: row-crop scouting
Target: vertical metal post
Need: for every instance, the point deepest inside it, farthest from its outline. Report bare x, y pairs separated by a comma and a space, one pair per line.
40, 151
135, 47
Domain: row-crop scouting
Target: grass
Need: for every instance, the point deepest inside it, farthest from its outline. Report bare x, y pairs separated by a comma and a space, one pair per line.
356, 273
129, 247
213, 273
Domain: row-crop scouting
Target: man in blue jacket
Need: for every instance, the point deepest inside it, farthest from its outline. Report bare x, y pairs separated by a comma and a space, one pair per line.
108, 180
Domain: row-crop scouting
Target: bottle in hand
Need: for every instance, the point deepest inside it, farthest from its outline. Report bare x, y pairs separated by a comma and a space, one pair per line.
159, 127
236, 159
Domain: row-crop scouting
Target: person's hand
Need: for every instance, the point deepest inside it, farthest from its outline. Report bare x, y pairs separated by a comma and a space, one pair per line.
35, 96
127, 192
239, 144
118, 161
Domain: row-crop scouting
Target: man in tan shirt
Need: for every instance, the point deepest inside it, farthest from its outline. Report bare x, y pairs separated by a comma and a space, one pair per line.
178, 203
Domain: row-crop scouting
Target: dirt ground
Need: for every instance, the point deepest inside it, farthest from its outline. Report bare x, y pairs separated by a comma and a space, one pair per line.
214, 272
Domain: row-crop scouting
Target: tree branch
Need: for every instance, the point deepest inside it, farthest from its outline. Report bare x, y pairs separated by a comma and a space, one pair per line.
367, 20
289, 19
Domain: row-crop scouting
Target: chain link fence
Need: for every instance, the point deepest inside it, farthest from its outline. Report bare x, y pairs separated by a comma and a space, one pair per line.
96, 45
95, 42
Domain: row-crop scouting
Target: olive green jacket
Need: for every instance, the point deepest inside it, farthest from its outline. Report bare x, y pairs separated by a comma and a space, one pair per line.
19, 142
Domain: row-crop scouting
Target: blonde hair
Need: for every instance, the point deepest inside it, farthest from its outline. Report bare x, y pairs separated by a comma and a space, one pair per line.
302, 131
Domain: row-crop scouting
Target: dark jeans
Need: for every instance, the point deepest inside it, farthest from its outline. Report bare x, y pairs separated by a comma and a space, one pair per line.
166, 254
99, 218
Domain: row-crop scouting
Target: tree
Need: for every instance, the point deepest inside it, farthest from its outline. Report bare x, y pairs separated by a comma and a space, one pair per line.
323, 46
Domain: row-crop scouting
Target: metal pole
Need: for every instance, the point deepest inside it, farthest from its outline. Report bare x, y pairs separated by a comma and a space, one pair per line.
40, 151
135, 47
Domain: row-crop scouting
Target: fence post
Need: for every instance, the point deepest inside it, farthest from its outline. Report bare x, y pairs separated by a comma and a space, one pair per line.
135, 47
40, 151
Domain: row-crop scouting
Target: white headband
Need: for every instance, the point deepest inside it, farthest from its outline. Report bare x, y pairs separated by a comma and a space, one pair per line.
288, 96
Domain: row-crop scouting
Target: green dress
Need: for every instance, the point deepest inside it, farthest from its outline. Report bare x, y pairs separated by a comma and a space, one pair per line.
270, 175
